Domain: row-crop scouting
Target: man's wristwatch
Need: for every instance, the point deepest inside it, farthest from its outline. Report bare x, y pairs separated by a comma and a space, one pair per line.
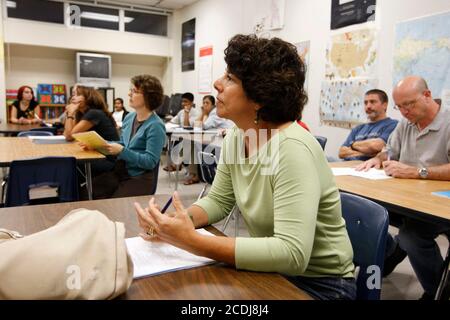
423, 173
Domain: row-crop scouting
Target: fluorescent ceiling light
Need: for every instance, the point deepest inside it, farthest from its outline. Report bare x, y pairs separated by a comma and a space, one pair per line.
11, 4
103, 17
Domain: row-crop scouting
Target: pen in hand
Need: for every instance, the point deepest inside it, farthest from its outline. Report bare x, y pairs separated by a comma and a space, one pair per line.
167, 205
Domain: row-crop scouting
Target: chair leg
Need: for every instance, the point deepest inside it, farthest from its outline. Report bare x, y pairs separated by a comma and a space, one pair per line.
2, 199
202, 192
225, 225
444, 276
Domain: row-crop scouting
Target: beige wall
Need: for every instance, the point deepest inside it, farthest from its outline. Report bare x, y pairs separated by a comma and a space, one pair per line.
218, 20
32, 65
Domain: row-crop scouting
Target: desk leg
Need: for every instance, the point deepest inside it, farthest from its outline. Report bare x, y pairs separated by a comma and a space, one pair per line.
87, 166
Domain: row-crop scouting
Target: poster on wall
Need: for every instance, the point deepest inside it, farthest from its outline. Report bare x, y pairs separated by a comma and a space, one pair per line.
352, 54
342, 102
349, 12
188, 45
205, 70
303, 49
422, 47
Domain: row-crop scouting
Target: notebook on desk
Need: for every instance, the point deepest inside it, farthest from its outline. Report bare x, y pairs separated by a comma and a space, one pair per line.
153, 258
93, 140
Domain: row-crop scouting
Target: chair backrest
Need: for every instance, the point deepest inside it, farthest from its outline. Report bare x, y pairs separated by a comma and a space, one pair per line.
322, 141
208, 166
175, 104
34, 133
367, 224
46, 129
59, 172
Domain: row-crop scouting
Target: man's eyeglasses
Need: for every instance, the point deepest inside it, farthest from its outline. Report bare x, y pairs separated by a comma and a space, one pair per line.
407, 105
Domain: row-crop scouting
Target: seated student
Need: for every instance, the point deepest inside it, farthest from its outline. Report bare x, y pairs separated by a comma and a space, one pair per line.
209, 120
88, 111
419, 148
185, 118
140, 146
367, 140
292, 208
187, 115
25, 110
119, 111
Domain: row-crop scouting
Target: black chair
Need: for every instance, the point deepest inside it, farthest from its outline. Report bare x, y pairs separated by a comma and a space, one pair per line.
155, 178
322, 141
208, 166
42, 176
367, 226
34, 133
445, 272
46, 129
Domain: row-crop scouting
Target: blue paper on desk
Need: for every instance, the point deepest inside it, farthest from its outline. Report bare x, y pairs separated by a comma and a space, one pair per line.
445, 194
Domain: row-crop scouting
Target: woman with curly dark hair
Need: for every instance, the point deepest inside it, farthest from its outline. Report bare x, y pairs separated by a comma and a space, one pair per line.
277, 174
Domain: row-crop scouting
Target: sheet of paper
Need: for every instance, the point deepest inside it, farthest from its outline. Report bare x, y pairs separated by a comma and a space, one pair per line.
48, 139
372, 174
152, 258
53, 138
171, 126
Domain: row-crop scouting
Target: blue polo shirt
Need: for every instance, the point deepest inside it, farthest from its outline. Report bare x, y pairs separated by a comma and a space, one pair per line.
373, 130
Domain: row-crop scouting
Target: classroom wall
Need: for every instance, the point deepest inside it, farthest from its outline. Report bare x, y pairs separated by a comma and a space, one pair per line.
38, 52
218, 20
2, 71
32, 65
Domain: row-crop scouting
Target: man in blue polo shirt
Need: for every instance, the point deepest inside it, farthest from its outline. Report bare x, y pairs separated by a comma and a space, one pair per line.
367, 140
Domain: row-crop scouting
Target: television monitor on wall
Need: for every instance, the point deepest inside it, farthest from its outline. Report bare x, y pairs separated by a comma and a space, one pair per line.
94, 69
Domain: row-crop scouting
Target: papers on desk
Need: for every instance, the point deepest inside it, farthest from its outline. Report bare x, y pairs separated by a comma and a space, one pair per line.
372, 174
445, 194
172, 126
152, 258
93, 140
48, 139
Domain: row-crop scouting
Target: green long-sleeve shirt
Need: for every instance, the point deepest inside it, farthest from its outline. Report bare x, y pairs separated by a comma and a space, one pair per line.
289, 202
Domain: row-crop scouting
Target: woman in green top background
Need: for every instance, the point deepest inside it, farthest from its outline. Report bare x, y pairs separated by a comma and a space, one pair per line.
277, 174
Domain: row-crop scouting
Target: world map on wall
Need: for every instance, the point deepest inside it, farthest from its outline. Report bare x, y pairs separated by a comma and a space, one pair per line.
351, 54
342, 101
422, 48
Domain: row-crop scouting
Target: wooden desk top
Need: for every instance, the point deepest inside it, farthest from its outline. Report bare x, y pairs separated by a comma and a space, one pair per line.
410, 194
23, 148
215, 282
8, 128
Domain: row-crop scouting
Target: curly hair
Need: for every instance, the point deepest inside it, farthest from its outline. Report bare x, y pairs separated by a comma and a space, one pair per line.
151, 89
272, 75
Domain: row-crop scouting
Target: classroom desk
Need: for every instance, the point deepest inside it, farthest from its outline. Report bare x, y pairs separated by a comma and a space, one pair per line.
9, 129
408, 197
213, 282
199, 137
12, 148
